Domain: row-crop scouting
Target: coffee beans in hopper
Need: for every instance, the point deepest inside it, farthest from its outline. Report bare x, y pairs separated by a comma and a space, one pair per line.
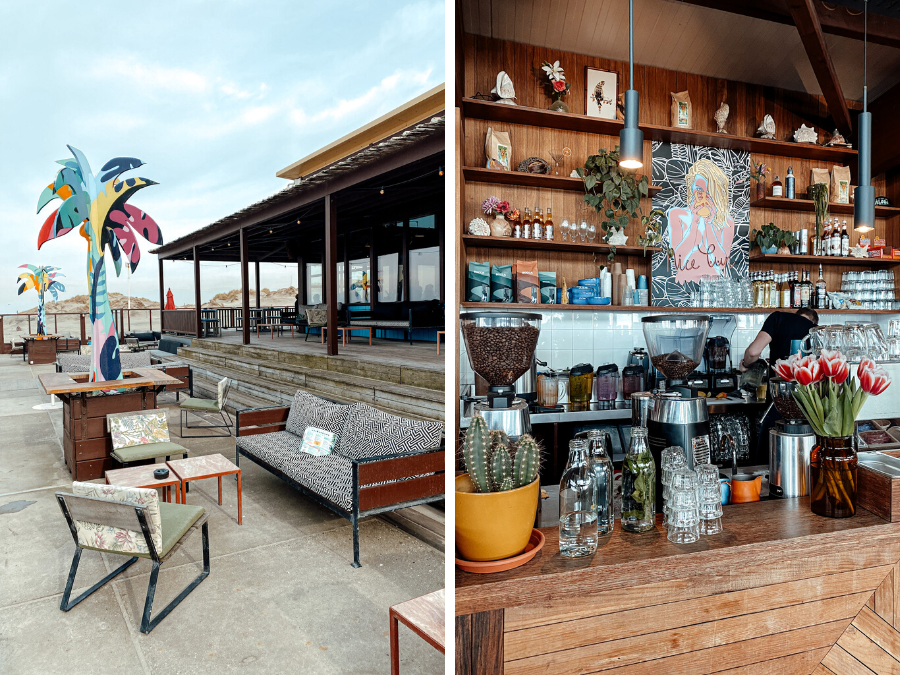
675, 365
501, 355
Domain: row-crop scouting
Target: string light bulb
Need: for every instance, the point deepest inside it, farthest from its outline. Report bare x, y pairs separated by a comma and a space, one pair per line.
382, 190
441, 171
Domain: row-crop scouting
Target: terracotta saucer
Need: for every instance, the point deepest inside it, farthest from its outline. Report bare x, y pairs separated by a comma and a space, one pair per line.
535, 544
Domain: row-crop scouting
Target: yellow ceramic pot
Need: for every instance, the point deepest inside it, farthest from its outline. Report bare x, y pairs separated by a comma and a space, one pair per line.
493, 525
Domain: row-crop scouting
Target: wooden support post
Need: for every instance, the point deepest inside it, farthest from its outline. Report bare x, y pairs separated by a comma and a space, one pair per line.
439, 221
301, 282
405, 261
256, 274
83, 331
197, 292
56, 324
29, 324
331, 274
373, 271
347, 270
245, 288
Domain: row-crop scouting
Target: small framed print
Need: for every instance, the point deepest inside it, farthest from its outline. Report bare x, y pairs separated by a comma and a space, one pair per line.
600, 93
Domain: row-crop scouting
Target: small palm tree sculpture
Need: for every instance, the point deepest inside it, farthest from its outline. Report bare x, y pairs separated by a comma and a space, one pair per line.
42, 279
96, 205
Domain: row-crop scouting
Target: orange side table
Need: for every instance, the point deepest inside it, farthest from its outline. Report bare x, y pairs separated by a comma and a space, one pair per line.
425, 617
206, 466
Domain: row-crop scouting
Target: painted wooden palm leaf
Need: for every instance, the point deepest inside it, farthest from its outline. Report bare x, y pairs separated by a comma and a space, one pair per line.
41, 279
96, 205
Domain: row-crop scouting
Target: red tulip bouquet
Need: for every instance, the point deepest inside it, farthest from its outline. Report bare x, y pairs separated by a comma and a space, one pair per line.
829, 397
831, 400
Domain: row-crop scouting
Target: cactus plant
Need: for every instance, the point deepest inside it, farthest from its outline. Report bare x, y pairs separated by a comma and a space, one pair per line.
501, 469
476, 453
499, 438
527, 462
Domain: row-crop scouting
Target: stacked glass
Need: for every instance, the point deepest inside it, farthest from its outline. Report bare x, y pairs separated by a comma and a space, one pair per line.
684, 516
709, 497
671, 460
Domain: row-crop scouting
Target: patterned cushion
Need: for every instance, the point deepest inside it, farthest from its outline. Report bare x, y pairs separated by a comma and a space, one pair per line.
221, 392
100, 536
330, 476
130, 429
316, 316
373, 433
311, 411
78, 363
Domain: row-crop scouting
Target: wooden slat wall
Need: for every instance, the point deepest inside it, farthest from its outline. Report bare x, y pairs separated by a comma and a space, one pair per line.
748, 103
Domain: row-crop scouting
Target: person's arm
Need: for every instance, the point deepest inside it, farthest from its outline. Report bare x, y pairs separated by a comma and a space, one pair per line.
754, 350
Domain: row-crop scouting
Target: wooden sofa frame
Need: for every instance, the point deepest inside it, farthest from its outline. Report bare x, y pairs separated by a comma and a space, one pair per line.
368, 499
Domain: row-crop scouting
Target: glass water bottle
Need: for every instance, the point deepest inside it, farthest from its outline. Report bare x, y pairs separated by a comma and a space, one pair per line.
577, 511
599, 448
638, 485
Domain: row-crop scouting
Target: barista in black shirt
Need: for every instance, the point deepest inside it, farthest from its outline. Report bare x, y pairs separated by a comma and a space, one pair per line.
779, 329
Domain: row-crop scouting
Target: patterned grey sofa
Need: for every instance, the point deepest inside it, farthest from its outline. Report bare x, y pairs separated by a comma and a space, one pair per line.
78, 363
380, 462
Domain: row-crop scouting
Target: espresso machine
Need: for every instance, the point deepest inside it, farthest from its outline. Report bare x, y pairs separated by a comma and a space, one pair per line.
501, 348
791, 441
717, 362
675, 343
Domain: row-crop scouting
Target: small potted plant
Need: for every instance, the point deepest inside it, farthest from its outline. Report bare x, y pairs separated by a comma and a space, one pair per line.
773, 240
558, 85
497, 499
758, 172
500, 226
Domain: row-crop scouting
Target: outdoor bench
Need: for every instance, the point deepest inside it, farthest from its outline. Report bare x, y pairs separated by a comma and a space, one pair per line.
380, 462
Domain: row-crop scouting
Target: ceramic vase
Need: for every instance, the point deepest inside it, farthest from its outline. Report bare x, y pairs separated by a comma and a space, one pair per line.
559, 106
500, 227
761, 189
833, 465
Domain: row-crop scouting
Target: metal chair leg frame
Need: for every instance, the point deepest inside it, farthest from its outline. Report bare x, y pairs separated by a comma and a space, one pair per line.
183, 424
148, 624
65, 605
356, 562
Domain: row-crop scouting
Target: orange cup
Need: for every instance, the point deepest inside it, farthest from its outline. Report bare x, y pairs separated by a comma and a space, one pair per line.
745, 488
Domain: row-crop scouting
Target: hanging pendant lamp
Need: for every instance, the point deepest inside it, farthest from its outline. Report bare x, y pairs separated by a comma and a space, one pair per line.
864, 196
631, 139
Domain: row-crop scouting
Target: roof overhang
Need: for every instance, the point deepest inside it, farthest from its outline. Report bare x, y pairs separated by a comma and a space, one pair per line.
428, 104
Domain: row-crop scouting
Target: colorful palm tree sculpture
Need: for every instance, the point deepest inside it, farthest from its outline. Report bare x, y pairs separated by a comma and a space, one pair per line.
41, 279
96, 205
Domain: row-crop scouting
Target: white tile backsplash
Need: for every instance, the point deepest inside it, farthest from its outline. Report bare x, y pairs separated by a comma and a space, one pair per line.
570, 336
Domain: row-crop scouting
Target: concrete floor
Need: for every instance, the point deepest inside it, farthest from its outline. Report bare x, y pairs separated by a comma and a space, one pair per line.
281, 596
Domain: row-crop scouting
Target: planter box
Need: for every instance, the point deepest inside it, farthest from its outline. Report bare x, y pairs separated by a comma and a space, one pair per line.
40, 351
87, 444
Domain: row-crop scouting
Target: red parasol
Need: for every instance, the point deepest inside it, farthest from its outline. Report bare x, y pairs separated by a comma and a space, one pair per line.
170, 300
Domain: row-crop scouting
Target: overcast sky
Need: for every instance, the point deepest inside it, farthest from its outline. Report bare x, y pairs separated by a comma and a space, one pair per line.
214, 97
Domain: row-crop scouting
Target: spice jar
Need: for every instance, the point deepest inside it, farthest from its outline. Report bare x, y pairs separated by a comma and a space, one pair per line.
606, 384
632, 380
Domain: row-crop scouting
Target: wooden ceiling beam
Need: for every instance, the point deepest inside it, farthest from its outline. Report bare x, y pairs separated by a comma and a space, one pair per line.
883, 30
810, 30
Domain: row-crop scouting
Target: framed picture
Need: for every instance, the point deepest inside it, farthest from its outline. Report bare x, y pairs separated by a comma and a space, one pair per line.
600, 93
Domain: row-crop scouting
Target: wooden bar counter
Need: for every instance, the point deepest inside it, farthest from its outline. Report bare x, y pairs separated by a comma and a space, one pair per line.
781, 590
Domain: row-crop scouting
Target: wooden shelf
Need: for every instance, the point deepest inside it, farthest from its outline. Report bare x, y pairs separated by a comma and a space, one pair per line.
824, 260
499, 112
785, 204
534, 180
521, 307
543, 245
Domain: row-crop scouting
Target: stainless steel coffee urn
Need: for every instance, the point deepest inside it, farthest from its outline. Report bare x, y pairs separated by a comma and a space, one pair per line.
791, 441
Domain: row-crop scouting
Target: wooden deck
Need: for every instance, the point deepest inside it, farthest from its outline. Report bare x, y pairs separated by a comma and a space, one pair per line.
421, 355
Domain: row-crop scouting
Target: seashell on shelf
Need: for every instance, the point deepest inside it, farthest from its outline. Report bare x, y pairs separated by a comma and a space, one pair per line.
859, 251
806, 134
504, 91
767, 128
837, 138
721, 117
479, 226
618, 237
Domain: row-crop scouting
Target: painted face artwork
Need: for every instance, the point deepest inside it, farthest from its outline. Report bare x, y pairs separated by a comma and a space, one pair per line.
701, 234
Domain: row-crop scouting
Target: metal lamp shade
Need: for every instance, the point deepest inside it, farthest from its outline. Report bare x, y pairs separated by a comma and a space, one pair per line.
864, 196
631, 139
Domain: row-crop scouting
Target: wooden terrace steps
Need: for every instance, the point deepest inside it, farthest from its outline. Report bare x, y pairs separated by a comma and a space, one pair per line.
261, 382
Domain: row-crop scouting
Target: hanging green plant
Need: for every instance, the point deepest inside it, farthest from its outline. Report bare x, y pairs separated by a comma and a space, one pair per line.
615, 195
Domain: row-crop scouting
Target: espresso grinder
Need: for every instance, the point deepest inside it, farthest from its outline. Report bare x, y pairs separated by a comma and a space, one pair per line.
501, 348
675, 343
717, 355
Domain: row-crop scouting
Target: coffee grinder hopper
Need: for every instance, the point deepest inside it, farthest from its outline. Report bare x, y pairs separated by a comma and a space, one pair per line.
675, 343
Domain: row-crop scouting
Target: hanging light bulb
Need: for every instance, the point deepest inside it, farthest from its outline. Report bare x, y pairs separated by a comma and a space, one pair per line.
864, 197
441, 171
382, 190
631, 139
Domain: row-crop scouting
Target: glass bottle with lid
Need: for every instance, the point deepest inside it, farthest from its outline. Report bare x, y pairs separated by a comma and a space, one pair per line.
577, 510
638, 484
600, 448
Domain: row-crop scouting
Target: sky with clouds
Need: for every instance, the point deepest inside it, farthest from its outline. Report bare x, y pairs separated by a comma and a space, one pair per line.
214, 97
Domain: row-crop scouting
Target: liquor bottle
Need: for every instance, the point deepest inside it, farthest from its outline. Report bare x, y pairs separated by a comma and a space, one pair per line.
826, 238
537, 225
786, 292
526, 219
821, 292
789, 183
845, 240
805, 288
537, 219
577, 510
548, 222
760, 292
836, 239
638, 485
795, 291
777, 190
771, 288
599, 450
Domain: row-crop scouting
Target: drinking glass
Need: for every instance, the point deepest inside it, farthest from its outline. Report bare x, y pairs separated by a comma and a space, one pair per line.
876, 345
684, 526
564, 229
707, 474
583, 231
671, 459
683, 480
592, 233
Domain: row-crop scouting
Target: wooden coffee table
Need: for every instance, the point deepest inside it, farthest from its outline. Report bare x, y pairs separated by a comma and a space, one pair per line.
142, 477
425, 617
207, 466
273, 326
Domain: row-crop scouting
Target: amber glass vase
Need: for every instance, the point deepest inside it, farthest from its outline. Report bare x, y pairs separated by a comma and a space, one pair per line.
833, 474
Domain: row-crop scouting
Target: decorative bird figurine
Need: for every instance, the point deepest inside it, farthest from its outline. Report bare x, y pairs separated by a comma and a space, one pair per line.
767, 128
721, 117
504, 91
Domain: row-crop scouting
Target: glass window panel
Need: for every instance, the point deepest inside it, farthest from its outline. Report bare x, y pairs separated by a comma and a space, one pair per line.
315, 292
425, 222
425, 270
340, 282
359, 281
390, 278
